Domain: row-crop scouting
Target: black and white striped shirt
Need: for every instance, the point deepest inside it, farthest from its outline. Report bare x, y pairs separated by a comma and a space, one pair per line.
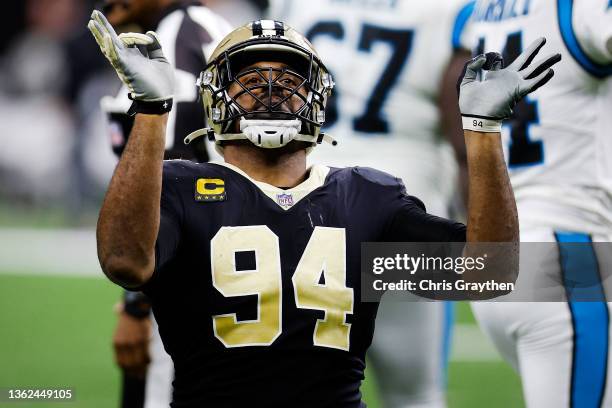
188, 34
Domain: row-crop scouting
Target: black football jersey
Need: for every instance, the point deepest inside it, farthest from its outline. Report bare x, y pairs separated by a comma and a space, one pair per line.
257, 294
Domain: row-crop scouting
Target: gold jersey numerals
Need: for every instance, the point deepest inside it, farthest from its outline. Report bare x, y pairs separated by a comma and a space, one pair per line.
324, 260
319, 283
264, 281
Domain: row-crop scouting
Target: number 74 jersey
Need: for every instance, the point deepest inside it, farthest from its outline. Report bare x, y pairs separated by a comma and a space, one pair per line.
257, 289
558, 144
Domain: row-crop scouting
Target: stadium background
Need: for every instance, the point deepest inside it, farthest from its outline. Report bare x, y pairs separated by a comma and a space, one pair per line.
56, 308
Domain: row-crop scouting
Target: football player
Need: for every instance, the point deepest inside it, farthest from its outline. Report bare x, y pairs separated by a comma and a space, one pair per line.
252, 264
387, 111
190, 31
558, 149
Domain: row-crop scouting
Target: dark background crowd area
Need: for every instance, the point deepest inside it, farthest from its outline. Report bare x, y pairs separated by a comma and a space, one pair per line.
56, 160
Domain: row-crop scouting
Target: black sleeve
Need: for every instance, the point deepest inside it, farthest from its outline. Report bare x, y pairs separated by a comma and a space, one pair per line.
170, 228
171, 214
411, 223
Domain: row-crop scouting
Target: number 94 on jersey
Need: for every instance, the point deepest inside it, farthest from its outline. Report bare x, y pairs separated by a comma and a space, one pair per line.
323, 260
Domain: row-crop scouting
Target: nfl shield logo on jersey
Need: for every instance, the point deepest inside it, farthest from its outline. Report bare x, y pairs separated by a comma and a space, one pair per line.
284, 200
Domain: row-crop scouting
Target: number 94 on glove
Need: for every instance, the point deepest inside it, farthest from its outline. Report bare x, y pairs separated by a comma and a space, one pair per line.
485, 99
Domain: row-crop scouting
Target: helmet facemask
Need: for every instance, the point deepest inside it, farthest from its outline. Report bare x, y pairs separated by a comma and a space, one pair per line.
268, 104
272, 103
278, 93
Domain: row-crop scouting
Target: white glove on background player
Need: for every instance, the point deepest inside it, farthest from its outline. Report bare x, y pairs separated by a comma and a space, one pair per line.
139, 62
485, 103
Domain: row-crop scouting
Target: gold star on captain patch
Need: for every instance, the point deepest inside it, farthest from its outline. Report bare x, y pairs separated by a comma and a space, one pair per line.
207, 190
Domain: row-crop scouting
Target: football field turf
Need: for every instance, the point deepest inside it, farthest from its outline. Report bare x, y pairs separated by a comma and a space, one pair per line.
56, 332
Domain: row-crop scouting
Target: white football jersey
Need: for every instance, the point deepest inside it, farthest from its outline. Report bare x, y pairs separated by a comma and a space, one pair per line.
387, 58
558, 144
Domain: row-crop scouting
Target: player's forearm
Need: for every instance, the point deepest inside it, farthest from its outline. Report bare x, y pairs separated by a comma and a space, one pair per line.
484, 101
129, 219
492, 214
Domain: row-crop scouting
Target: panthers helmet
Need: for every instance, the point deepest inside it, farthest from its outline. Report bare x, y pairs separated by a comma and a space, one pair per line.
302, 81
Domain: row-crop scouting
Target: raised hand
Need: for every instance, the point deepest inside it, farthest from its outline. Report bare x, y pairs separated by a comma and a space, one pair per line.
485, 103
139, 62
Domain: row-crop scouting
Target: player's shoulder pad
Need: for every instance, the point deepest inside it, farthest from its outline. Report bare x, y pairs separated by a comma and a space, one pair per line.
372, 179
368, 175
179, 169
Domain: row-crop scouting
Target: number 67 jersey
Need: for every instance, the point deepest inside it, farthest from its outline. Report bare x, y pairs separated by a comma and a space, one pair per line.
256, 289
559, 141
388, 58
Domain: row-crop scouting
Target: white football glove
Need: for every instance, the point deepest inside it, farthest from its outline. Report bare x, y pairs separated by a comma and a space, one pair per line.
140, 64
485, 103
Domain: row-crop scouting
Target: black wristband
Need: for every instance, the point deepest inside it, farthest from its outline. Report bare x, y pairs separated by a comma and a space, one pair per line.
150, 108
136, 304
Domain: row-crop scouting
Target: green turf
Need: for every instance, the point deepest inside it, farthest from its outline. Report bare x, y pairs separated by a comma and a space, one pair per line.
463, 313
56, 332
483, 384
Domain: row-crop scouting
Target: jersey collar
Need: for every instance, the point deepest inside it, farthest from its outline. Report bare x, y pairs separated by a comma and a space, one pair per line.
286, 199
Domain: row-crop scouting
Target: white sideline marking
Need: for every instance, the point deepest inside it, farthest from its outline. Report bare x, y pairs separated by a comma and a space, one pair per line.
49, 252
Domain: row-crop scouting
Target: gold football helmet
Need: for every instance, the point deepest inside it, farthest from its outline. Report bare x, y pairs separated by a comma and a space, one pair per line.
300, 81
